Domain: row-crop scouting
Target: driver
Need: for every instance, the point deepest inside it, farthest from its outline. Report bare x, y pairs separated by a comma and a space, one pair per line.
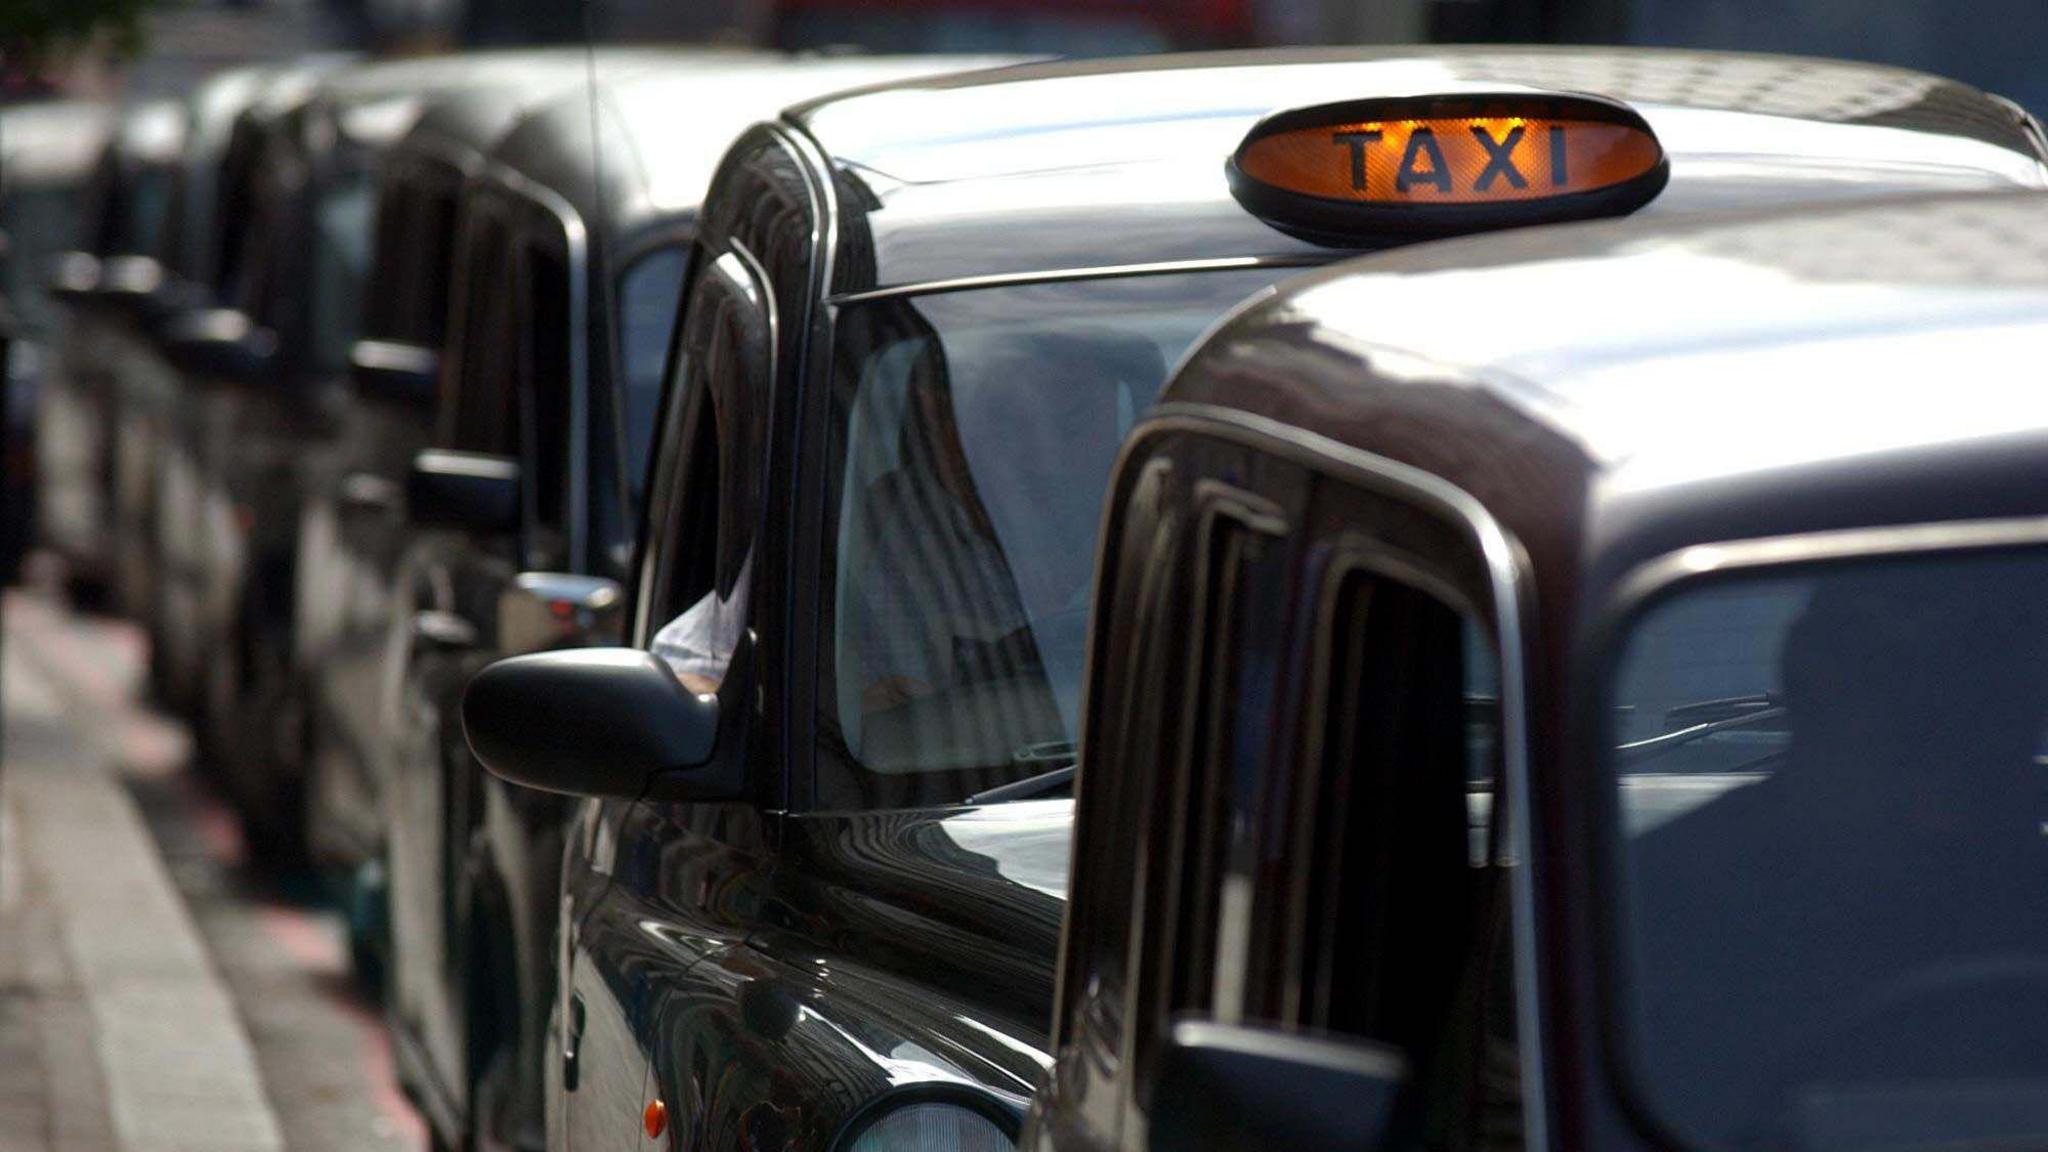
1902, 834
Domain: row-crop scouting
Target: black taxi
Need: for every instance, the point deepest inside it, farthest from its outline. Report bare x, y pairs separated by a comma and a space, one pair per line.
518, 520
1581, 689
126, 217
164, 532
351, 525
813, 901
264, 393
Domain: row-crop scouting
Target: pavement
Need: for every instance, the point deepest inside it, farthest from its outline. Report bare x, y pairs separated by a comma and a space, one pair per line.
159, 989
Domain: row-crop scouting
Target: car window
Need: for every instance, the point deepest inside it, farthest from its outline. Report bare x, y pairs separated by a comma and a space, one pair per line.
343, 215
978, 429
482, 415
544, 327
1828, 800
703, 556
649, 296
1404, 934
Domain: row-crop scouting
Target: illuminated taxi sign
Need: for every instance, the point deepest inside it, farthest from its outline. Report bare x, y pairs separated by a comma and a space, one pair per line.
1432, 166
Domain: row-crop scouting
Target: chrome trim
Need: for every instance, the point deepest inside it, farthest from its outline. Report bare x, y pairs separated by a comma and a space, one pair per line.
1507, 568
1089, 272
1700, 560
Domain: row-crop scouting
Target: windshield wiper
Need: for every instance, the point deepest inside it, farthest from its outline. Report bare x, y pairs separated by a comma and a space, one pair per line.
1060, 752
1710, 717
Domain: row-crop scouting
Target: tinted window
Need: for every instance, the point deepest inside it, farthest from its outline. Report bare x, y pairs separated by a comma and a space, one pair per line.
343, 216
649, 296
483, 416
1829, 803
975, 436
544, 326
724, 367
1404, 931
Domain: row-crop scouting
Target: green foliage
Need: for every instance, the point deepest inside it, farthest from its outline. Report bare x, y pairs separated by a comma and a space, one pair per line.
36, 32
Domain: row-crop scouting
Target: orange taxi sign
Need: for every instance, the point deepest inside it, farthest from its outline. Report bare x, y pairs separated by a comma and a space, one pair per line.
1439, 165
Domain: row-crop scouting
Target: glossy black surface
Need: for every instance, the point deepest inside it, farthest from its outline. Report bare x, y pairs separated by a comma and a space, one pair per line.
1092, 163
548, 256
769, 969
1642, 399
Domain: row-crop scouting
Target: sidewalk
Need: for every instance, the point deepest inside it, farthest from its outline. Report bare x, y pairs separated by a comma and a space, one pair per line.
116, 1032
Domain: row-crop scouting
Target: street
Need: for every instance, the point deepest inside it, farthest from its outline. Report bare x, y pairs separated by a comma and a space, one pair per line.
157, 989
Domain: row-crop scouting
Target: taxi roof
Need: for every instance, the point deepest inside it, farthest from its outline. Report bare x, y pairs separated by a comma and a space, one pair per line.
1092, 163
1619, 390
666, 127
459, 127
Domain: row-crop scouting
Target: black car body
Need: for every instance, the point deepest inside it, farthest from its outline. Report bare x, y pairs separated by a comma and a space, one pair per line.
1647, 699
567, 291
266, 393
48, 156
152, 404
818, 904
351, 527
121, 271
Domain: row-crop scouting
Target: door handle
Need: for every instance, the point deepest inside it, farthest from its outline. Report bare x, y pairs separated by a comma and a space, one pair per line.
572, 1044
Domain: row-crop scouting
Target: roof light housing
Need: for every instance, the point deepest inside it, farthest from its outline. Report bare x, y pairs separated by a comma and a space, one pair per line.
1362, 172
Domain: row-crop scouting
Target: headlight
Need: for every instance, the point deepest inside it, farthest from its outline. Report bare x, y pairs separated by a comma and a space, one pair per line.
930, 1126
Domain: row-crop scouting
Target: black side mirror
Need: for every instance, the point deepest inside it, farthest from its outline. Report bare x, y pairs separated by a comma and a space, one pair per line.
596, 722
219, 346
395, 373
74, 278
1221, 1088
463, 490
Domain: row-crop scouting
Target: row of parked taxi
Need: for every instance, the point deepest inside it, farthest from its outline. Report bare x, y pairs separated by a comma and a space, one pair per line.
1450, 598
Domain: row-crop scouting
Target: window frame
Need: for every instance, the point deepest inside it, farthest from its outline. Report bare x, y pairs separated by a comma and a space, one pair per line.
667, 501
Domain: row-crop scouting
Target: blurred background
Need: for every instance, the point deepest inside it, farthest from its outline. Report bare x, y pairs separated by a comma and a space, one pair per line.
140, 48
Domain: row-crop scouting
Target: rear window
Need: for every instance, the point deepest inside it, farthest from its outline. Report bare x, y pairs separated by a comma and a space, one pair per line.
1832, 820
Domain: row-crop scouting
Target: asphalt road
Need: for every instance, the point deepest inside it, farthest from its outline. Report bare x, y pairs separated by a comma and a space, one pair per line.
158, 988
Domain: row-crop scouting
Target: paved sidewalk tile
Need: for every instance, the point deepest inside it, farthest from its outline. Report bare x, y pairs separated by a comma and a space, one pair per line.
126, 1038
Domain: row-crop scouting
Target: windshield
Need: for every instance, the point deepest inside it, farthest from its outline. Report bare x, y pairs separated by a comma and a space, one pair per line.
1831, 824
978, 432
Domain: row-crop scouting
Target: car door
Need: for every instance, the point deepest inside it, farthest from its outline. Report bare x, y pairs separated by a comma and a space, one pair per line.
657, 895
444, 624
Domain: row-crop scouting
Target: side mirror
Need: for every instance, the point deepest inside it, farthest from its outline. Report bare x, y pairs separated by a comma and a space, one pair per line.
219, 345
395, 373
1222, 1088
542, 610
74, 278
596, 722
463, 490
